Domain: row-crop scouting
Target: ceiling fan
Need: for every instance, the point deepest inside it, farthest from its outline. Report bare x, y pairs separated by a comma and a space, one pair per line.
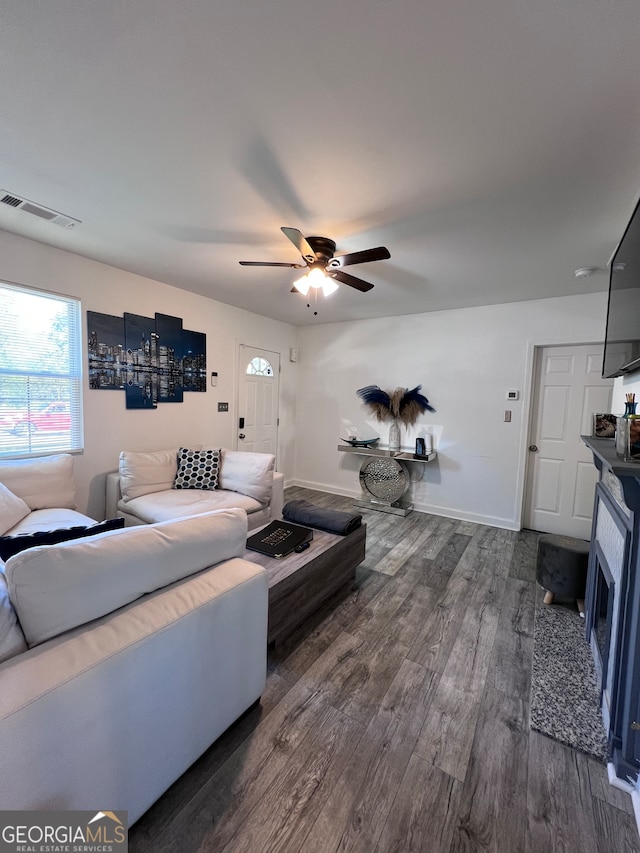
318, 256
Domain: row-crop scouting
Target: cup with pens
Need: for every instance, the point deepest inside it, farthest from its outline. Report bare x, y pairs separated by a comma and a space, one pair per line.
630, 405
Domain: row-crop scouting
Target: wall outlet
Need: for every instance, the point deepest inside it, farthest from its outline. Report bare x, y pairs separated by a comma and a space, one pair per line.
507, 416
223, 407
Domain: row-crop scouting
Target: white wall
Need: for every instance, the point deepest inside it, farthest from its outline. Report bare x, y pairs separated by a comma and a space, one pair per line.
109, 426
466, 360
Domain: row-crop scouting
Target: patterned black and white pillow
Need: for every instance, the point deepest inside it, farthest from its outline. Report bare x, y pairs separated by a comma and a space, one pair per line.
197, 469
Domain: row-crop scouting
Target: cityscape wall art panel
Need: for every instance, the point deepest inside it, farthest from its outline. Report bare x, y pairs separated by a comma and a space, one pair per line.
194, 360
170, 367
141, 352
153, 359
106, 351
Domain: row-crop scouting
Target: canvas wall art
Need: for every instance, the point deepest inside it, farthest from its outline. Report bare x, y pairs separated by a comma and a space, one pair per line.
153, 359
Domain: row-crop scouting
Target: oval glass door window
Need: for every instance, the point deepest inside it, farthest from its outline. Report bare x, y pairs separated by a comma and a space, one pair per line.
259, 367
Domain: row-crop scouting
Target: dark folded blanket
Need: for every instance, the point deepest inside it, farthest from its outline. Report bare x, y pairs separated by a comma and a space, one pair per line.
331, 520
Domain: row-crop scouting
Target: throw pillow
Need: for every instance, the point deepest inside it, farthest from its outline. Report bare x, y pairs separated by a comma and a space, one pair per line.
12, 509
43, 483
10, 545
146, 473
197, 469
247, 472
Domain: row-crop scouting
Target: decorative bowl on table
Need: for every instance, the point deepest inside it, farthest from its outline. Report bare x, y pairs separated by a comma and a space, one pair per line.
361, 442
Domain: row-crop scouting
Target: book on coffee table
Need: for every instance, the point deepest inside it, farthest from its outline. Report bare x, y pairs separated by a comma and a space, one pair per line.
279, 539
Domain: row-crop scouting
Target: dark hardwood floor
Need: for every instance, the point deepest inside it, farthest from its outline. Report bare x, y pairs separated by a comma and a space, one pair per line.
397, 720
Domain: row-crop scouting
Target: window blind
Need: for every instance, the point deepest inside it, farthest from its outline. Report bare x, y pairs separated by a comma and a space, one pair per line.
40, 372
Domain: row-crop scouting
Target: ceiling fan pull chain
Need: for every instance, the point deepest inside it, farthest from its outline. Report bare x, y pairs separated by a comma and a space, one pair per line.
315, 297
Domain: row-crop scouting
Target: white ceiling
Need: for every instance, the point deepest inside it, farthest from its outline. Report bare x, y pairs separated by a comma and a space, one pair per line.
492, 145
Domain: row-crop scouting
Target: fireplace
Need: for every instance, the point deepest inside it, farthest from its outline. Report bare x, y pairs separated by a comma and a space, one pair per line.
602, 613
599, 619
612, 605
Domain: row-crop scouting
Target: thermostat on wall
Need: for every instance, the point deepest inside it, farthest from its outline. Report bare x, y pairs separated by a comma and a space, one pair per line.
513, 395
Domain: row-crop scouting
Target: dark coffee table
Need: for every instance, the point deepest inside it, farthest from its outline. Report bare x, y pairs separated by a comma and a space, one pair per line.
300, 583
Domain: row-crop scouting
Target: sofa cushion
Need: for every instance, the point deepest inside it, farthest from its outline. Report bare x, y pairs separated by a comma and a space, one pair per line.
50, 519
248, 473
144, 473
12, 509
56, 587
197, 469
12, 641
10, 545
43, 482
172, 503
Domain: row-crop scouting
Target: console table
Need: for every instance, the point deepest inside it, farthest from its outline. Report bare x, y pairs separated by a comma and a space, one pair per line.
385, 478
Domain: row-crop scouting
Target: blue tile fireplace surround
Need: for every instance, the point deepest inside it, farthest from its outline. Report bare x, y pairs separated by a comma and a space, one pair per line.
612, 611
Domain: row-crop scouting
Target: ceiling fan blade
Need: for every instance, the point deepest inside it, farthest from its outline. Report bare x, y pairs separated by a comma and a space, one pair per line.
381, 253
300, 242
270, 264
351, 280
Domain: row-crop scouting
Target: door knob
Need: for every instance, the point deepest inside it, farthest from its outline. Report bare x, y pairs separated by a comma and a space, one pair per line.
533, 448
241, 435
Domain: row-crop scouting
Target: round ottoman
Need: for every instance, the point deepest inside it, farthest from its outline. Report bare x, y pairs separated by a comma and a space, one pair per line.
562, 567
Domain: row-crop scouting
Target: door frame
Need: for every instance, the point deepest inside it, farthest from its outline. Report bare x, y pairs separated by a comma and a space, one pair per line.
236, 395
533, 350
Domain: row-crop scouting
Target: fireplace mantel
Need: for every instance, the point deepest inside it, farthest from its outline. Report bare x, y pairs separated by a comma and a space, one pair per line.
614, 582
604, 455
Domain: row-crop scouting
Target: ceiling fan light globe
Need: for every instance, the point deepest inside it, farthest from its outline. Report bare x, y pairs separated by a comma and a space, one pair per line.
302, 285
316, 278
329, 286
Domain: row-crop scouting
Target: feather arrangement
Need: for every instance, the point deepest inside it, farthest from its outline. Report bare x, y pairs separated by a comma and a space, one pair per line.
402, 404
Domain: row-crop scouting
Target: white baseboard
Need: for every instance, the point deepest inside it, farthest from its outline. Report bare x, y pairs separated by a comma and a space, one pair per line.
616, 782
628, 788
445, 512
323, 487
635, 801
476, 518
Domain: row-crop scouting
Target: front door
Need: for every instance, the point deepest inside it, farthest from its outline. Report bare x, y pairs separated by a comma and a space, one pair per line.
258, 384
561, 477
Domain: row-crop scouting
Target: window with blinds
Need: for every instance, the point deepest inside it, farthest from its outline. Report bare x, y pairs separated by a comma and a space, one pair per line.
40, 372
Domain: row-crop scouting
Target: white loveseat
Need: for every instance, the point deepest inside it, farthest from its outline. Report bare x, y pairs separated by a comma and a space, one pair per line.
143, 492
130, 652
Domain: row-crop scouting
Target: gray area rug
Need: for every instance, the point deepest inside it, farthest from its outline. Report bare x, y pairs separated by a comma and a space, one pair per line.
564, 692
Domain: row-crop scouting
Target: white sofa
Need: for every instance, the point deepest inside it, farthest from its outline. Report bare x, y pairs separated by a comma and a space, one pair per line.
143, 492
130, 652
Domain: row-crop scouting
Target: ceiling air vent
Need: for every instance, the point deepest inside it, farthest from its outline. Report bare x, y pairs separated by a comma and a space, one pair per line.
11, 200
37, 210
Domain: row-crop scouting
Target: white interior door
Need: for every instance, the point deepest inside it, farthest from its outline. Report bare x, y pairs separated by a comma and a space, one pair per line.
561, 477
258, 385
